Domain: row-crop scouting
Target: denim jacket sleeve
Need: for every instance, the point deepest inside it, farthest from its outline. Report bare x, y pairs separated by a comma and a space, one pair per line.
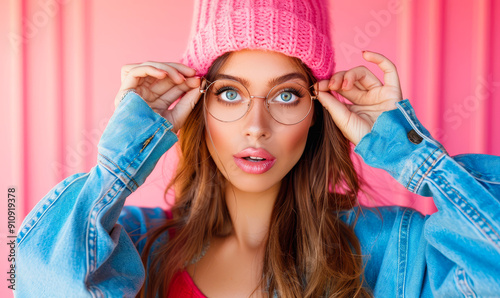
454, 252
70, 244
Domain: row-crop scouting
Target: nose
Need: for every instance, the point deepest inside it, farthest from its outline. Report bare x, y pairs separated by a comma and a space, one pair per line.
257, 120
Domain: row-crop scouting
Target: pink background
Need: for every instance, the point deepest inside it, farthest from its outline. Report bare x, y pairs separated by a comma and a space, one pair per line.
61, 60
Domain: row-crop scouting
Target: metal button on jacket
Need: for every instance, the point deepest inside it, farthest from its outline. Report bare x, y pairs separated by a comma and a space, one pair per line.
414, 137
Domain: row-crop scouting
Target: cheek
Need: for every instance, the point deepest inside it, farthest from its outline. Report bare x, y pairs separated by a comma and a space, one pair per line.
294, 140
222, 137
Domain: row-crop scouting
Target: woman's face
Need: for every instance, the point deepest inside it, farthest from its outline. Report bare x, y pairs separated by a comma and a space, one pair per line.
257, 134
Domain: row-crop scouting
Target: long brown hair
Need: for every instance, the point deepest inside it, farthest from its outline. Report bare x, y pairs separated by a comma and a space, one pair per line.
310, 252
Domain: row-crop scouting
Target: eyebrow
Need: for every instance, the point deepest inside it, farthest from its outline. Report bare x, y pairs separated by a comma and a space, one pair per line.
271, 83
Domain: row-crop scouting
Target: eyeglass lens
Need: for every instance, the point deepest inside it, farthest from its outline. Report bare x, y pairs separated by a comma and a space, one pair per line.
228, 100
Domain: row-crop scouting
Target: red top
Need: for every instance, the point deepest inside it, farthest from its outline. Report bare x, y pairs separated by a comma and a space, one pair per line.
183, 286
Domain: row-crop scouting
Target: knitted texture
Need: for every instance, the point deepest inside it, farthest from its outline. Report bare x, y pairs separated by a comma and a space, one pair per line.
297, 28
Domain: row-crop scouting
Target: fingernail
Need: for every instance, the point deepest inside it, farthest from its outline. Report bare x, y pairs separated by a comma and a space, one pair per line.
344, 84
332, 81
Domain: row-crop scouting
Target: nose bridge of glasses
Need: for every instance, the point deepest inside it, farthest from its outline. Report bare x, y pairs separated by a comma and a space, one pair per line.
251, 103
255, 96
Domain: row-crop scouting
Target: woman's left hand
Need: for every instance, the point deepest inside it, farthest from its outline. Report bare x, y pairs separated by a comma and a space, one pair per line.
368, 95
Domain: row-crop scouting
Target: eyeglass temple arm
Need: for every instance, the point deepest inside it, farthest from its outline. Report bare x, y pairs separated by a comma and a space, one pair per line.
315, 91
202, 86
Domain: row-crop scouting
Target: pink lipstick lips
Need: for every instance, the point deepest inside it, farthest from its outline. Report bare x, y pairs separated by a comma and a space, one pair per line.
254, 160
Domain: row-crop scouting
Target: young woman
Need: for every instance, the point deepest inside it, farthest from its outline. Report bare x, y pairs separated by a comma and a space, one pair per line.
265, 189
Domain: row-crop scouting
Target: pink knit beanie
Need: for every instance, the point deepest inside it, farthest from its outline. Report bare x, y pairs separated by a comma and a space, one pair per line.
297, 28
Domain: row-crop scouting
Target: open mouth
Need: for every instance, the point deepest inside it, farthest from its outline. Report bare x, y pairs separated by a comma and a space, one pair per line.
254, 158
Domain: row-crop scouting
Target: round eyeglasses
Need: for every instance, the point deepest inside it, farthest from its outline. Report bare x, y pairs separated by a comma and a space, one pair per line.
228, 100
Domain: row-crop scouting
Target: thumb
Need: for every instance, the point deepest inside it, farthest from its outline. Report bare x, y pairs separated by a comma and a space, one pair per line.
338, 110
183, 108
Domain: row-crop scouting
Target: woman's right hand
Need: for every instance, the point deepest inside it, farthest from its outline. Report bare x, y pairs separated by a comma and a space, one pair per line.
160, 84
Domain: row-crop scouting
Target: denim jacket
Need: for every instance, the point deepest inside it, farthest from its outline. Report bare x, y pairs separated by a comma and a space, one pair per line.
78, 241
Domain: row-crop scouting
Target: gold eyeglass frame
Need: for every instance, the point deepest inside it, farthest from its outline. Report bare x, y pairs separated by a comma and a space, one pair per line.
314, 96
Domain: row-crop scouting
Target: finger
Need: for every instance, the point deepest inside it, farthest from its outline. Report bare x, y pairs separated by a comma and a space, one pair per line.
174, 93
339, 111
136, 74
184, 70
172, 72
350, 124
183, 108
360, 76
323, 85
336, 80
354, 95
391, 77
125, 69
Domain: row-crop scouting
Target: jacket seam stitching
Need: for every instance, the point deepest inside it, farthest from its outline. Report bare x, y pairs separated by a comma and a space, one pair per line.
414, 123
92, 220
92, 247
121, 170
480, 219
44, 208
95, 291
479, 176
464, 286
427, 173
417, 170
403, 250
483, 180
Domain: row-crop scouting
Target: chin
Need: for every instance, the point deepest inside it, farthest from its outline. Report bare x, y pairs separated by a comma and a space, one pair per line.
254, 183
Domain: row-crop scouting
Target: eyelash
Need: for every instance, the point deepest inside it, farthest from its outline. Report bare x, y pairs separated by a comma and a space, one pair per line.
289, 89
294, 92
224, 88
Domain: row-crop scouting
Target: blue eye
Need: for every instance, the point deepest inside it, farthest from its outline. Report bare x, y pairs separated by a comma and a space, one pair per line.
229, 95
286, 96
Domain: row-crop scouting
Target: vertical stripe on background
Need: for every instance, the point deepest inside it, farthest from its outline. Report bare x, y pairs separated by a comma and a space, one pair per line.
435, 63
405, 38
59, 89
483, 70
24, 94
87, 70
